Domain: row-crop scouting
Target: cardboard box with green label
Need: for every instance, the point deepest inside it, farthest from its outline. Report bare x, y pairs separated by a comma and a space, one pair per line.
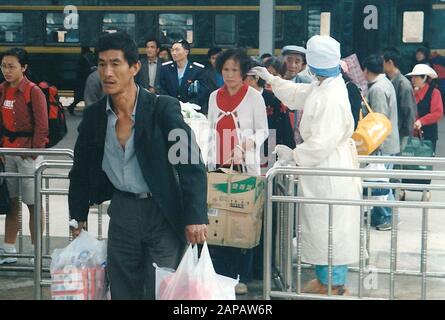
235, 209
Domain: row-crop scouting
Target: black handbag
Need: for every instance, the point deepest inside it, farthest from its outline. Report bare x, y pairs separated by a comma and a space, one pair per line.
5, 201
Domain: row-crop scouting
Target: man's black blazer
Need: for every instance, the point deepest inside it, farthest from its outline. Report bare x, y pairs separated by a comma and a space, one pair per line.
143, 78
179, 190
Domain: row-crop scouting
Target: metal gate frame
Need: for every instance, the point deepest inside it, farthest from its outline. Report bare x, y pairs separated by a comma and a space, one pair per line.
291, 201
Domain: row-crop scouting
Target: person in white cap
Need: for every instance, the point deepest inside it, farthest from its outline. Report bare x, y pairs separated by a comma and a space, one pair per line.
326, 127
429, 102
295, 59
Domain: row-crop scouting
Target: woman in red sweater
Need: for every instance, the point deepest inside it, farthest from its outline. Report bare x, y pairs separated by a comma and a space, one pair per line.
22, 125
429, 102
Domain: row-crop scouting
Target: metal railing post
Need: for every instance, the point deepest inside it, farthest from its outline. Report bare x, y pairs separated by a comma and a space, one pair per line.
330, 247
361, 276
289, 234
267, 267
38, 233
20, 215
424, 249
48, 240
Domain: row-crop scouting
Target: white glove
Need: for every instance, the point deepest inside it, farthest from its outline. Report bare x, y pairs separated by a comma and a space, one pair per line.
285, 155
263, 73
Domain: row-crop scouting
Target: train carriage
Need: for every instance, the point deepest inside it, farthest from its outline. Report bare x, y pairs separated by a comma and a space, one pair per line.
53, 37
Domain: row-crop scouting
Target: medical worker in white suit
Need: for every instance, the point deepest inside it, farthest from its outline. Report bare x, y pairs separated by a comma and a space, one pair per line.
326, 127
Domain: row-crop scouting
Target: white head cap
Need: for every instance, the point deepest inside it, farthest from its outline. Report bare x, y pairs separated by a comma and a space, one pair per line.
323, 52
423, 70
292, 49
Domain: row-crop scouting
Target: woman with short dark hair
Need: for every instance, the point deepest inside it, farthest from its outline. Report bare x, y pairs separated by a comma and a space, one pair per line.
23, 124
238, 128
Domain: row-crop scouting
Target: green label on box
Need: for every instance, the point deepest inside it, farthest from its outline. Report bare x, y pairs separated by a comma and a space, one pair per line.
241, 186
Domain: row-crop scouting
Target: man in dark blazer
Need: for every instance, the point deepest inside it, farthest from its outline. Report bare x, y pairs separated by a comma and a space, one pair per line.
183, 79
148, 76
122, 153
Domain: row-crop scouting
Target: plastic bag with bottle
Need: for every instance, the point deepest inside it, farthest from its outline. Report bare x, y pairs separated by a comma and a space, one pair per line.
78, 270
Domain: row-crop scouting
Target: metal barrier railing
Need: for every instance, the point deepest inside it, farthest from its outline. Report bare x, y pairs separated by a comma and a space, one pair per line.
67, 153
288, 175
39, 191
38, 216
42, 188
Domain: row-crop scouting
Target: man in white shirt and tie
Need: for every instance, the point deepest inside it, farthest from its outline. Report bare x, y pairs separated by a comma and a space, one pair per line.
148, 76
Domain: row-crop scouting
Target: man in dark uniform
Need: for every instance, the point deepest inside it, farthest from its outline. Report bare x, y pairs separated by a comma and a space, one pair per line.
183, 79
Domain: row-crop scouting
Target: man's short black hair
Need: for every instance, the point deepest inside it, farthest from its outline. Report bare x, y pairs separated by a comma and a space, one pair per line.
184, 43
236, 55
19, 53
151, 39
424, 50
212, 51
265, 55
260, 82
278, 64
373, 63
392, 54
165, 49
119, 41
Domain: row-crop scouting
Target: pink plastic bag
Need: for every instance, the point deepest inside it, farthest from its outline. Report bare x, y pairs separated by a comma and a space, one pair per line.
195, 279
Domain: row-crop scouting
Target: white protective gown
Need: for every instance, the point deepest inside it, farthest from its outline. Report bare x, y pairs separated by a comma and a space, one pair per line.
326, 127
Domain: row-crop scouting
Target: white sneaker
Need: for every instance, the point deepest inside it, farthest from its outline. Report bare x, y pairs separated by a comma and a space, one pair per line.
7, 260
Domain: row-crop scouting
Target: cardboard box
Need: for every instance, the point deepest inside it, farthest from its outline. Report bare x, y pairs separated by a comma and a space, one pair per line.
245, 191
235, 229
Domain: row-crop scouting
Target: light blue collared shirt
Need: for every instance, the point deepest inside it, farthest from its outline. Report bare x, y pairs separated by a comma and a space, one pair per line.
121, 165
181, 73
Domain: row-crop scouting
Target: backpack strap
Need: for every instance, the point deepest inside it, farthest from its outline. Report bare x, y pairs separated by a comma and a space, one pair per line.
27, 93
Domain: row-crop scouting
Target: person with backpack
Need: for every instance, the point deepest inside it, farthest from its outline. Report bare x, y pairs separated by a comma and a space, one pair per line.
22, 125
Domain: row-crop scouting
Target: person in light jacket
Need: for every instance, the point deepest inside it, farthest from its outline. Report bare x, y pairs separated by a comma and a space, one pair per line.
326, 127
236, 108
406, 104
383, 99
238, 128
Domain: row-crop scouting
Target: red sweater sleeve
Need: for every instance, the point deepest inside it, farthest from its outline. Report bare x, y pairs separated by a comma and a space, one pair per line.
40, 114
436, 109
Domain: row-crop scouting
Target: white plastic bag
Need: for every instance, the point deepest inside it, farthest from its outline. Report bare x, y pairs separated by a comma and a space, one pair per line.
195, 279
78, 270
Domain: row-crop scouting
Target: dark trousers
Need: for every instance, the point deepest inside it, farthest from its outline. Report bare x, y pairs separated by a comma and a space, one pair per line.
231, 262
138, 235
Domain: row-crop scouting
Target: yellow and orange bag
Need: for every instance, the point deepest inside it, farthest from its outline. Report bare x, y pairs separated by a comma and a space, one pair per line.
371, 132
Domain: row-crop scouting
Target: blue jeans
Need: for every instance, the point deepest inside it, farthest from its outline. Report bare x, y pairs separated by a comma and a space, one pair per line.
380, 215
339, 274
